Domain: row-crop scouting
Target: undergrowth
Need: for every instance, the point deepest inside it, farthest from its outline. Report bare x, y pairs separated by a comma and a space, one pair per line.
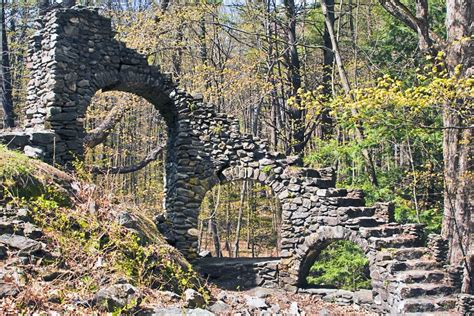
84, 236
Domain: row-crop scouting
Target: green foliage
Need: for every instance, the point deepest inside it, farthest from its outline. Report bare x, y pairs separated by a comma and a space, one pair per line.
24, 178
267, 169
342, 265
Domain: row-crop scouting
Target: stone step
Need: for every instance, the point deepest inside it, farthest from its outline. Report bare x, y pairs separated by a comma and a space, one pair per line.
408, 254
424, 290
403, 254
349, 201
364, 221
423, 305
332, 192
355, 211
417, 264
400, 241
385, 230
420, 276
321, 183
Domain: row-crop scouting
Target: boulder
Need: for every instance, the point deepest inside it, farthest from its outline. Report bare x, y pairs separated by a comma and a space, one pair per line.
193, 299
117, 296
220, 307
256, 303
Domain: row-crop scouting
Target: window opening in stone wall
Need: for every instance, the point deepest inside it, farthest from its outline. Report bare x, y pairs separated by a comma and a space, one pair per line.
129, 161
340, 265
240, 219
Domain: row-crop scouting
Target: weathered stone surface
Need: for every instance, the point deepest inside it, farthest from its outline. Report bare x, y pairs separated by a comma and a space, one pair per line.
25, 245
256, 303
117, 296
8, 289
176, 311
193, 299
220, 308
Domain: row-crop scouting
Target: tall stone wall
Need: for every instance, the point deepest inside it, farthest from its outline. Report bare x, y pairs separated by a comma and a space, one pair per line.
74, 55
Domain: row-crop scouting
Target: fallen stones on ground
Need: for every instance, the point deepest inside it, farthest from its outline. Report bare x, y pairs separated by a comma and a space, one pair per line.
8, 289
294, 310
220, 307
117, 296
262, 292
170, 296
256, 303
193, 299
176, 311
25, 245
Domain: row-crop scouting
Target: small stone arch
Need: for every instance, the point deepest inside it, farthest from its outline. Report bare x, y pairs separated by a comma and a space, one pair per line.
316, 242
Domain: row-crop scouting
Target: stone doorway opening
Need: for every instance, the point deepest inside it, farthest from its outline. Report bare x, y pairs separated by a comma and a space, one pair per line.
128, 156
337, 271
239, 235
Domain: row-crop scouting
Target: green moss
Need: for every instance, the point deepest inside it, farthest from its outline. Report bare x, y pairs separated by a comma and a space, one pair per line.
26, 179
267, 169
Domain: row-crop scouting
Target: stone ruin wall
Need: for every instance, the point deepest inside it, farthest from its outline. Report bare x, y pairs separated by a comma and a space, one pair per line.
74, 55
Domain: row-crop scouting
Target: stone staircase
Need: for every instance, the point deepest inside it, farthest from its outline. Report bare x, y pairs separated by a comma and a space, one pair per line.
408, 275
416, 278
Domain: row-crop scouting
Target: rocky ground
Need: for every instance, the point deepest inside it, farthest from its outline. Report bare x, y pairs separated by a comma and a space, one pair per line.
258, 301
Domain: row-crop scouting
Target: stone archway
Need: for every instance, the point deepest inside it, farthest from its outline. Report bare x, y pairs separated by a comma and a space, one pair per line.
318, 241
238, 174
73, 56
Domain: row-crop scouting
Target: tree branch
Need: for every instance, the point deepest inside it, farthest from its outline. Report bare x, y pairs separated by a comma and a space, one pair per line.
419, 25
100, 133
152, 156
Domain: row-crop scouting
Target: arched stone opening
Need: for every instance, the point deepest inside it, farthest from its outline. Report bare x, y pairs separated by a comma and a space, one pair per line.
68, 73
317, 242
125, 147
336, 264
240, 219
250, 268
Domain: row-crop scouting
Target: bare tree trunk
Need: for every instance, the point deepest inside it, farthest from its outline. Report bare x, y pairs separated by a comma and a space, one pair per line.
457, 141
347, 89
294, 77
5, 75
239, 218
131, 168
213, 223
100, 133
328, 61
227, 228
457, 146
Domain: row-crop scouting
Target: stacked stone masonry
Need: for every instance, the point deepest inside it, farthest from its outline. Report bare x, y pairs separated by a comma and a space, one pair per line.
73, 55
